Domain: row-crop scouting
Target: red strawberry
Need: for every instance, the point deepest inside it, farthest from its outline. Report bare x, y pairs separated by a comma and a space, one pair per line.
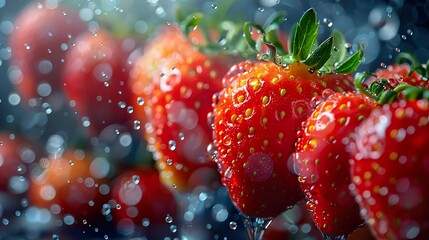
145, 204
40, 40
146, 67
256, 119
179, 132
323, 162
73, 185
95, 79
390, 169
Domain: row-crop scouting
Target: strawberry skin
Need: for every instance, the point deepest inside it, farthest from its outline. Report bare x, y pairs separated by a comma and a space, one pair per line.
390, 168
255, 124
95, 77
178, 131
323, 162
400, 73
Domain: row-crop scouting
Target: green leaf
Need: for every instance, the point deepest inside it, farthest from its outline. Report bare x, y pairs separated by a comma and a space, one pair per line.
248, 35
191, 22
351, 64
305, 35
320, 55
291, 38
339, 50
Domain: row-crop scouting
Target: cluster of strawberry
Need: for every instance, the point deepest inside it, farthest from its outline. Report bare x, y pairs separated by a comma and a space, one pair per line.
293, 123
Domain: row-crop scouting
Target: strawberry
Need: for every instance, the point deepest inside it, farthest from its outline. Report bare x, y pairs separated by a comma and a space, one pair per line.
259, 111
182, 80
323, 162
155, 52
144, 203
389, 166
95, 79
40, 41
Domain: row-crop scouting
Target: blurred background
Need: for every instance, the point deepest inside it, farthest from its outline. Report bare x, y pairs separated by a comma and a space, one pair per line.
48, 125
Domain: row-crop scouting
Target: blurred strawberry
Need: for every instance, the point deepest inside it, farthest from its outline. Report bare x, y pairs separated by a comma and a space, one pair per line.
146, 67
40, 40
95, 80
16, 156
73, 185
145, 203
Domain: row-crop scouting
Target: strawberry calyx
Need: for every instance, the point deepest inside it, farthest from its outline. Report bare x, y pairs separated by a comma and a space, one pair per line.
220, 36
328, 57
383, 92
416, 66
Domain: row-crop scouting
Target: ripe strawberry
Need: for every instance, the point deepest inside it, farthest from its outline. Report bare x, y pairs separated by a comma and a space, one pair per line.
258, 114
179, 132
40, 40
323, 162
95, 78
72, 185
390, 168
146, 67
145, 203
16, 156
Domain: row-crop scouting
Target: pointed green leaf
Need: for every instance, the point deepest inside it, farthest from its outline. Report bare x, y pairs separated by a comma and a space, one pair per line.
351, 64
248, 35
191, 22
320, 55
305, 35
339, 50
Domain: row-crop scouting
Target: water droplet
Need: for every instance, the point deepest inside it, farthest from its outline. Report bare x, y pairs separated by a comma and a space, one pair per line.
130, 109
328, 22
106, 209
397, 50
169, 161
118, 206
410, 32
261, 9
311, 70
336, 48
168, 218
55, 237
181, 136
136, 179
71, 162
383, 65
404, 37
214, 6
145, 222
140, 101
106, 84
173, 228
47, 107
122, 104
172, 145
27, 46
233, 225
174, 186
136, 125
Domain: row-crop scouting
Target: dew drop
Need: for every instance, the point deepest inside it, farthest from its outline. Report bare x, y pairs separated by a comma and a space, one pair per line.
136, 179
130, 109
181, 136
47, 108
106, 84
410, 32
140, 101
27, 46
404, 37
71, 162
336, 48
122, 104
233, 225
261, 9
173, 228
168, 218
169, 161
328, 22
55, 237
136, 125
214, 6
172, 145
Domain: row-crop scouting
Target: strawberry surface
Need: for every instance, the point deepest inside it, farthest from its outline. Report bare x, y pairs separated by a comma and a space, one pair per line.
256, 119
389, 170
323, 162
